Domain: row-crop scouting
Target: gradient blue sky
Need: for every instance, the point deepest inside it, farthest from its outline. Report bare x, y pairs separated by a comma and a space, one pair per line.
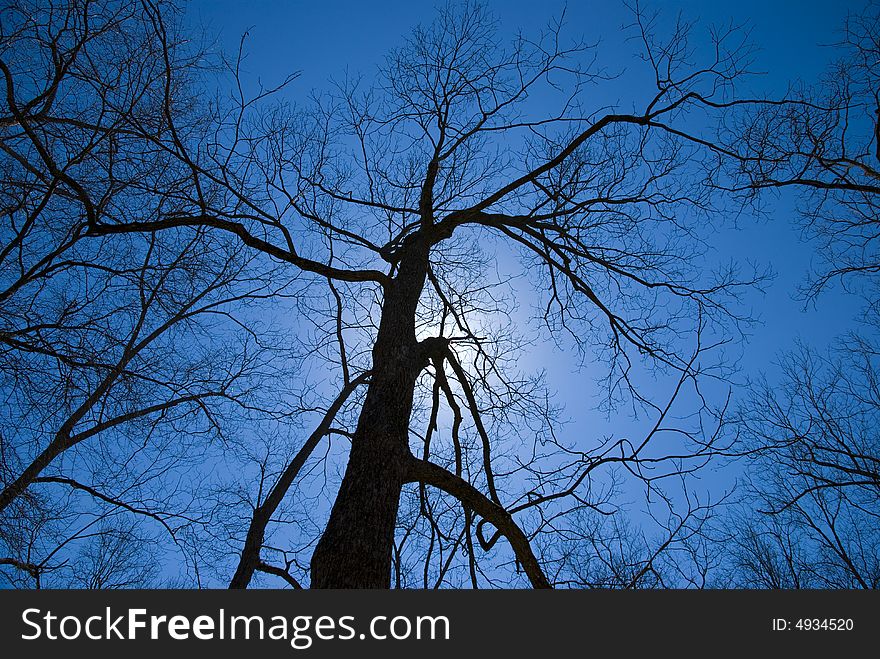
324, 39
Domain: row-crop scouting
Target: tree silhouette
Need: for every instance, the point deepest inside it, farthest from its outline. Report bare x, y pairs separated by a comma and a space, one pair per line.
389, 201
816, 475
814, 480
121, 359
823, 141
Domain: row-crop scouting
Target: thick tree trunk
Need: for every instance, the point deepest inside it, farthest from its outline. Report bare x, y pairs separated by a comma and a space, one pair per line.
355, 549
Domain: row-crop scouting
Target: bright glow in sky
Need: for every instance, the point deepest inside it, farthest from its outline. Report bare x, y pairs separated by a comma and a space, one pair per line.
326, 39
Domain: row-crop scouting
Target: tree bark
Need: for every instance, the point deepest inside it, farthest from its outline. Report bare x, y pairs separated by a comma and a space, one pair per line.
356, 546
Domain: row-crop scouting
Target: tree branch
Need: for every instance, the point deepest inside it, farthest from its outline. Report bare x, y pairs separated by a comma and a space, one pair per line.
421, 471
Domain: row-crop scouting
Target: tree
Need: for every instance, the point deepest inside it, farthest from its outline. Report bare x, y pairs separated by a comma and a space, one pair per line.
811, 434
121, 359
385, 202
823, 141
816, 479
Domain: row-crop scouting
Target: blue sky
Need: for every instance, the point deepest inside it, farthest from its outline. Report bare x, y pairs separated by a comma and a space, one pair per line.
323, 40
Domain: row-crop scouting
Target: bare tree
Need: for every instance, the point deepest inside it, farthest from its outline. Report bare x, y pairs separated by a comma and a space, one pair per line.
391, 203
816, 479
823, 141
121, 360
813, 487
384, 190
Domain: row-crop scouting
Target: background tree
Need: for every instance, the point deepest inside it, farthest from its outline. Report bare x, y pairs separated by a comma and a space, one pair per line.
812, 496
817, 473
823, 142
124, 362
